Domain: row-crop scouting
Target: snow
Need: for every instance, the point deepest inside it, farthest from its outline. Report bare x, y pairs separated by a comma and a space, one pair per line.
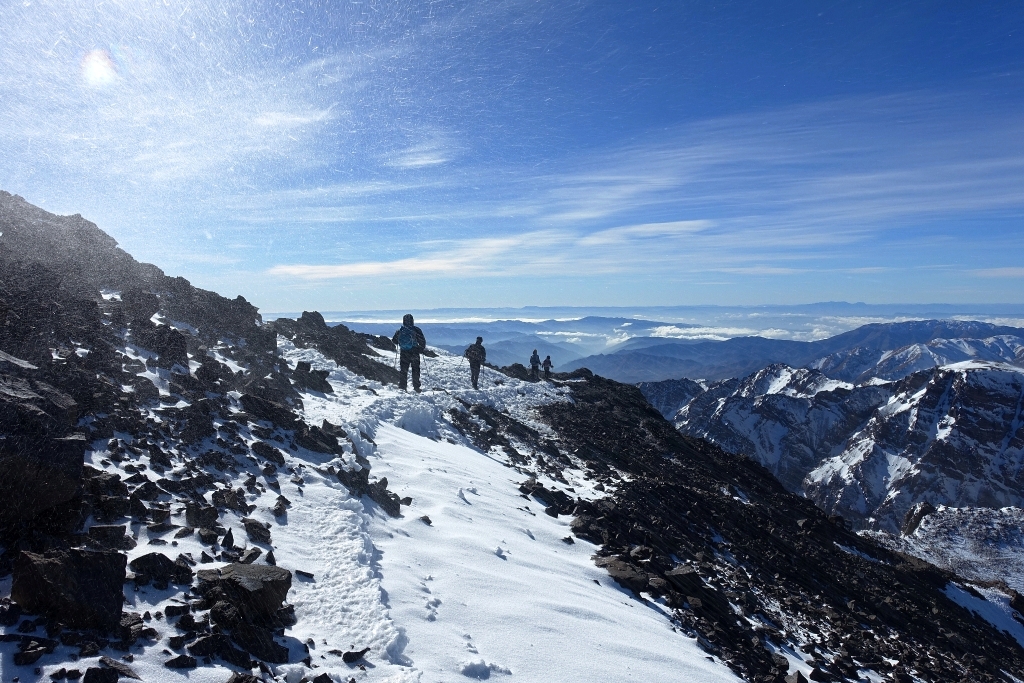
488, 589
994, 608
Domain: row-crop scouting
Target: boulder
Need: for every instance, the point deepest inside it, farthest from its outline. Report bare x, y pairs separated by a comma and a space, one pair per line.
258, 532
259, 642
161, 570
256, 591
625, 574
268, 452
200, 516
78, 588
37, 474
96, 674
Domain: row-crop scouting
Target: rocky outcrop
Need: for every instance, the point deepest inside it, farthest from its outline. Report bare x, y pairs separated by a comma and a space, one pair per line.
248, 600
340, 344
951, 436
79, 588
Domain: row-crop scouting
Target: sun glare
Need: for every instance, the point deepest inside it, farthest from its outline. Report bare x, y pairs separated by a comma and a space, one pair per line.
98, 69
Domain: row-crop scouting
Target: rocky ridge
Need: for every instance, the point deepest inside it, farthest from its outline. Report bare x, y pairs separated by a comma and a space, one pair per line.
190, 433
133, 402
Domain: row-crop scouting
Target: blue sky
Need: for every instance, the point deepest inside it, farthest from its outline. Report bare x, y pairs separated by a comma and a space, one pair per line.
361, 155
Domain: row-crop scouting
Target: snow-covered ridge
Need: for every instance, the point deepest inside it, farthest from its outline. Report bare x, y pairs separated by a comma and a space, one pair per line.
951, 435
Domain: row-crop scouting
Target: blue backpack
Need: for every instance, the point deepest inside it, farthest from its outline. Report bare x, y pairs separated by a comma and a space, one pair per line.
406, 338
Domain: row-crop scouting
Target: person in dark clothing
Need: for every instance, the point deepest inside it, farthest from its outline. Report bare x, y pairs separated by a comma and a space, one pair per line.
547, 367
411, 343
535, 365
476, 355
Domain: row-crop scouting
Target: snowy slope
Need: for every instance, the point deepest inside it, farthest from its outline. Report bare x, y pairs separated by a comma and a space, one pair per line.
953, 436
981, 544
788, 419
860, 365
488, 587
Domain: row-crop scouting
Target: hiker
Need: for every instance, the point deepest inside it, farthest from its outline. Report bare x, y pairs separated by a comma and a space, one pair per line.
476, 355
412, 343
535, 365
547, 367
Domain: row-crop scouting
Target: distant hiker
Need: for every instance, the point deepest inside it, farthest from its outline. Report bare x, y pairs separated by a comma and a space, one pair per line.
535, 365
476, 355
547, 367
411, 343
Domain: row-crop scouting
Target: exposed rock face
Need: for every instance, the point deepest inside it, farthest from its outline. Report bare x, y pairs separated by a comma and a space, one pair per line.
79, 588
787, 419
248, 600
951, 436
669, 396
40, 457
338, 343
948, 436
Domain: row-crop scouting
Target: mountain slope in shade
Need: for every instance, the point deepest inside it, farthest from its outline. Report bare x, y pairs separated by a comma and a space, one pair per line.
982, 544
951, 436
787, 419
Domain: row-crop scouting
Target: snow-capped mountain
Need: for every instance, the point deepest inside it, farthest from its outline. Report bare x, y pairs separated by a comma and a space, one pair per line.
787, 419
861, 364
951, 436
191, 493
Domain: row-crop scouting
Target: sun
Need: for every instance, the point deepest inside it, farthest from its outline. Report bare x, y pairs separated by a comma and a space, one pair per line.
98, 69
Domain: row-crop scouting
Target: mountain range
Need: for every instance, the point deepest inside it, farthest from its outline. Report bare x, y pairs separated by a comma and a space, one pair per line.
194, 493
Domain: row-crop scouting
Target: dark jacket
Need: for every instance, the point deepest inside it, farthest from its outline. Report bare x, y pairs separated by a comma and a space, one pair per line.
421, 341
476, 353
535, 360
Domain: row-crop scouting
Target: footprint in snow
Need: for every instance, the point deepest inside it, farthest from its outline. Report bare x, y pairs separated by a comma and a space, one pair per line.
432, 606
500, 553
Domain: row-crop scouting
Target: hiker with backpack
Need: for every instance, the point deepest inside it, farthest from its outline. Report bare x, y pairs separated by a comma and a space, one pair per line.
411, 343
547, 367
535, 365
476, 355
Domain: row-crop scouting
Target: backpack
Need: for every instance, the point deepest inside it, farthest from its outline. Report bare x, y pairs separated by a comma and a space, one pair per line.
406, 338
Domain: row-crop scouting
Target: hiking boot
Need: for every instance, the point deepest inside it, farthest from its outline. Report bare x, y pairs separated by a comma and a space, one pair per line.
418, 390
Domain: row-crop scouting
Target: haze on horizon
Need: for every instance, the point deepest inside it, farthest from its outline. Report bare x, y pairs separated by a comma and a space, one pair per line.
390, 155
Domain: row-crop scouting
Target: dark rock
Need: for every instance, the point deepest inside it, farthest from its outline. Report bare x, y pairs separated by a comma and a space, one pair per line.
228, 541
208, 536
181, 662
160, 569
915, 515
73, 674
250, 555
322, 678
224, 614
354, 655
796, 677
257, 591
82, 589
237, 677
268, 452
389, 502
131, 627
258, 532
356, 481
624, 573
177, 610
110, 537
200, 516
121, 668
259, 642
95, 674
